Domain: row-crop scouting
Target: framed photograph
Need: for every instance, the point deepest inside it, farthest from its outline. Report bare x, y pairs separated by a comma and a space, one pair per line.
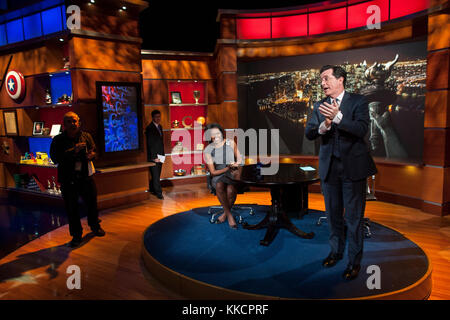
38, 127
10, 119
176, 97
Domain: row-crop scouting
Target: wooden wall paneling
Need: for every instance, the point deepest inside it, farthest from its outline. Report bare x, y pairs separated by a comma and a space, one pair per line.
8, 151
120, 160
129, 180
167, 168
436, 147
214, 113
227, 27
446, 191
37, 60
167, 137
2, 175
438, 70
228, 86
105, 55
438, 31
403, 180
34, 92
84, 81
100, 19
213, 97
165, 116
88, 113
226, 58
9, 171
156, 91
437, 3
176, 69
2, 122
25, 119
437, 109
433, 184
229, 118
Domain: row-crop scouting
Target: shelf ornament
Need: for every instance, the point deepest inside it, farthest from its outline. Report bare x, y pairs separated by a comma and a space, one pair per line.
15, 85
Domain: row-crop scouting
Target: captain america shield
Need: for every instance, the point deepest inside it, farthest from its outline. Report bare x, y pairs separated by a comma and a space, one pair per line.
15, 85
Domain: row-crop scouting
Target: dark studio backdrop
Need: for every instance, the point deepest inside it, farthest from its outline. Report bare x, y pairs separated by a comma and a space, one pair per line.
279, 93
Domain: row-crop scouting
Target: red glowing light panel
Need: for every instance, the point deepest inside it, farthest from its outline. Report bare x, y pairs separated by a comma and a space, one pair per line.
399, 8
290, 26
358, 15
258, 28
327, 21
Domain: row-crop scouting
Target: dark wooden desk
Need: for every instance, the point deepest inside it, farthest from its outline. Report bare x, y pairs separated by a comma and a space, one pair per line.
288, 179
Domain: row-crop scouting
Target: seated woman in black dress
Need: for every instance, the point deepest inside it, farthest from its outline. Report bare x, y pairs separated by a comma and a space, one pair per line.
222, 158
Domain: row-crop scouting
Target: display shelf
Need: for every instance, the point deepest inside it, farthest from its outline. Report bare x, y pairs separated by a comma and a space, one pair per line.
184, 153
191, 128
185, 89
24, 136
34, 192
187, 176
189, 110
52, 166
187, 104
45, 106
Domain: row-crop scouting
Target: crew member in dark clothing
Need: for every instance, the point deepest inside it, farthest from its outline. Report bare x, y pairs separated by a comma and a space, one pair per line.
73, 150
155, 147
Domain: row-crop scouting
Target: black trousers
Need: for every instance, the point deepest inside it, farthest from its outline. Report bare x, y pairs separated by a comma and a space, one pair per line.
71, 191
341, 193
155, 183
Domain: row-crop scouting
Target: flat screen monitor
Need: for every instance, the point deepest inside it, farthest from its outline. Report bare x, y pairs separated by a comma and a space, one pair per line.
119, 106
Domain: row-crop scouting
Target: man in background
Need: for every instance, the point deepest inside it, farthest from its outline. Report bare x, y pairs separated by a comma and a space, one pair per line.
155, 147
73, 151
341, 120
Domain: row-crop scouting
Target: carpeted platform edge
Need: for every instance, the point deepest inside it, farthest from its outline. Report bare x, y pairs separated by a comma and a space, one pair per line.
195, 289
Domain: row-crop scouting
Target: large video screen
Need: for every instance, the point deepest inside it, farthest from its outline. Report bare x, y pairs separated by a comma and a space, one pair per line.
279, 94
120, 105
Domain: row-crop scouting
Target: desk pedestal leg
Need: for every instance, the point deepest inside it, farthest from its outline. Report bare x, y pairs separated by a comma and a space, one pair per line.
276, 218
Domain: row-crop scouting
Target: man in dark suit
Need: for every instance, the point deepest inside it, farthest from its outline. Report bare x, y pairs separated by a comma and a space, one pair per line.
155, 147
341, 121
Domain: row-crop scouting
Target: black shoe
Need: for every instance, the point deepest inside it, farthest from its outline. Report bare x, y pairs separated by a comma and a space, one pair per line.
331, 260
160, 196
76, 241
99, 232
351, 272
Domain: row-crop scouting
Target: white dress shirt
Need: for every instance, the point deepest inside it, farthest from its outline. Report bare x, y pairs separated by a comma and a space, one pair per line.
337, 119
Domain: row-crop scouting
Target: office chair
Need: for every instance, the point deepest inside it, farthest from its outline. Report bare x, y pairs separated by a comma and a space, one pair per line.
370, 196
234, 210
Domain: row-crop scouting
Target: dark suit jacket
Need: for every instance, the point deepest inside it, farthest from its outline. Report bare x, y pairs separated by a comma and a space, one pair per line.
357, 161
155, 142
63, 154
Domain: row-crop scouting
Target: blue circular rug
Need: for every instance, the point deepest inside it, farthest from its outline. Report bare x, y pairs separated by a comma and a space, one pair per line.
216, 256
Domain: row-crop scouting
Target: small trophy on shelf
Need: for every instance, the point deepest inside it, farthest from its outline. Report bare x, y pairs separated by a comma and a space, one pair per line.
66, 61
196, 96
49, 187
55, 189
48, 97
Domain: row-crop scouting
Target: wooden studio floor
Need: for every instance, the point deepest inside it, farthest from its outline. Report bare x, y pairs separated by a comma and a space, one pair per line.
111, 267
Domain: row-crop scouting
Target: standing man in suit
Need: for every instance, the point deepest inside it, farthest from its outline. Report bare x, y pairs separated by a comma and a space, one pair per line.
155, 147
341, 121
